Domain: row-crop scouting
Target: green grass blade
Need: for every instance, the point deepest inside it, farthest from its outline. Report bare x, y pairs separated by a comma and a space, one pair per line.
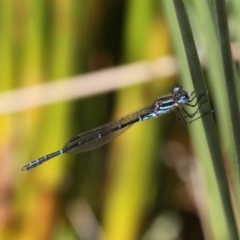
223, 35
210, 130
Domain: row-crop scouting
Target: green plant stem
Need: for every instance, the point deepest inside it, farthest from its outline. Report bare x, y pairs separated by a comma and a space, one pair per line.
223, 37
208, 123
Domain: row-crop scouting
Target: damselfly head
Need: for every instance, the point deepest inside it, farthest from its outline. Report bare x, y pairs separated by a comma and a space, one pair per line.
180, 95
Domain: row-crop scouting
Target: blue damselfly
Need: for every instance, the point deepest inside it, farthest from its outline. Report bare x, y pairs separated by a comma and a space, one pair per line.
102, 135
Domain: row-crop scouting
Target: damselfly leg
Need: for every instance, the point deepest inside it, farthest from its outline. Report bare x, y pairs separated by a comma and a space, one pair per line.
199, 98
182, 113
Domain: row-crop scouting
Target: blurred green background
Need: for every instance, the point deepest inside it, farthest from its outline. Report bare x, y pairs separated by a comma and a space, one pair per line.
155, 182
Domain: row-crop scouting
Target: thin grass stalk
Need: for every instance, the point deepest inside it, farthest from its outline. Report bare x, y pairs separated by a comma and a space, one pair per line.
207, 29
225, 49
211, 208
208, 123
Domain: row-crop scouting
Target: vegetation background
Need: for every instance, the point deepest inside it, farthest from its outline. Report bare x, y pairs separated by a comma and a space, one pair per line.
156, 181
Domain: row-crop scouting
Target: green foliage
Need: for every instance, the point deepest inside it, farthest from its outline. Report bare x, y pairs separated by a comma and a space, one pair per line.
160, 179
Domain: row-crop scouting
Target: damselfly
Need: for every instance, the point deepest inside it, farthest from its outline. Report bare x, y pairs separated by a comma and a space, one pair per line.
101, 135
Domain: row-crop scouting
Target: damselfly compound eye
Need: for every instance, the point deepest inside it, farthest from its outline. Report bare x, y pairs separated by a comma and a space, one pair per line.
184, 99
